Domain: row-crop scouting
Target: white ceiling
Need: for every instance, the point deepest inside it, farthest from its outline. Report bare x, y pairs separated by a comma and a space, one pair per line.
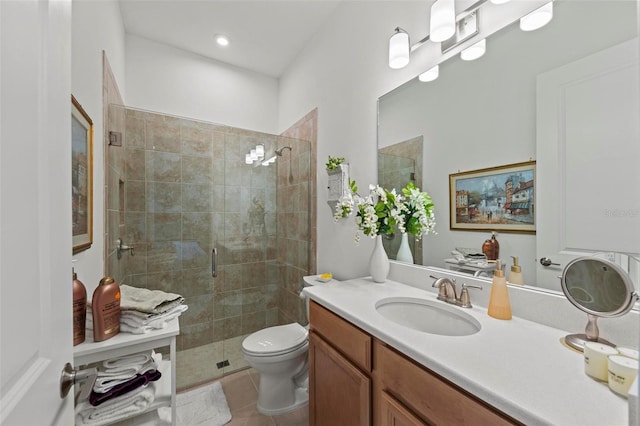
266, 35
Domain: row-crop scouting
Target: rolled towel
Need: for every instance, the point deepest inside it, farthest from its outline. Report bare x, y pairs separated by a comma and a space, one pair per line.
119, 408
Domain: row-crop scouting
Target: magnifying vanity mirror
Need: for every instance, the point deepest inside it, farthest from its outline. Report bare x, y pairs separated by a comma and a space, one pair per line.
503, 109
600, 288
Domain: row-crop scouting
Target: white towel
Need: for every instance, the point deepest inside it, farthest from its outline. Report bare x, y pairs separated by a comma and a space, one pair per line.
119, 371
134, 319
118, 408
127, 361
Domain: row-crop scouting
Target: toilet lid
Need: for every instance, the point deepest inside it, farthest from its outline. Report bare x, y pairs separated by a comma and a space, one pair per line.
277, 339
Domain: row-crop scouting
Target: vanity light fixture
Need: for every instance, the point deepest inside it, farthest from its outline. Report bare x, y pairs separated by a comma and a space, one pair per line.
430, 74
222, 40
399, 49
474, 51
442, 22
538, 18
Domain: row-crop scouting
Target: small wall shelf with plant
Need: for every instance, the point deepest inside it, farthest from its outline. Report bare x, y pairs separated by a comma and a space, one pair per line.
338, 182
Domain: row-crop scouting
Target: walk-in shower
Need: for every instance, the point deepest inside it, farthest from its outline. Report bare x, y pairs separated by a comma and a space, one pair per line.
179, 188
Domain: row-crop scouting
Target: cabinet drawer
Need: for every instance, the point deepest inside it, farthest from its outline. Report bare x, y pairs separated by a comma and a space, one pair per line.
429, 396
354, 343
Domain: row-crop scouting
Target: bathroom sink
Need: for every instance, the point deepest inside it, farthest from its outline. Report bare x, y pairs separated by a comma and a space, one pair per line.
434, 317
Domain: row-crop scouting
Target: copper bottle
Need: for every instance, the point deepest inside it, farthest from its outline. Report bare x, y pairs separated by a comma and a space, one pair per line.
79, 310
105, 307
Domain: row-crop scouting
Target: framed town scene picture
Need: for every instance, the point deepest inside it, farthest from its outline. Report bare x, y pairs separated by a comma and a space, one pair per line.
494, 199
81, 177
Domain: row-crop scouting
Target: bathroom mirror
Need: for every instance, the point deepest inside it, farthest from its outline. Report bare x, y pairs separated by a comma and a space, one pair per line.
600, 288
481, 114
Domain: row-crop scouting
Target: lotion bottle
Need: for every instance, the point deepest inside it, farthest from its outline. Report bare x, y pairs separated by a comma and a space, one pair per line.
79, 309
105, 307
499, 305
515, 276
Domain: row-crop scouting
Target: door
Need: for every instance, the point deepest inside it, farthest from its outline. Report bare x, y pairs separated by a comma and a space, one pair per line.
587, 159
35, 211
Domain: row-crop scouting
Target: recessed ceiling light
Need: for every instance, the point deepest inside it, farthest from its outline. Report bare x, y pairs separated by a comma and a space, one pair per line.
222, 40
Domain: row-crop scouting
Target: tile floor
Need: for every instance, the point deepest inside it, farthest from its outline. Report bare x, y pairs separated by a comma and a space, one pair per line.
241, 390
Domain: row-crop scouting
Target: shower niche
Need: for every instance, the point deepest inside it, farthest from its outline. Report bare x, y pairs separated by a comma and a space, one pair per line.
178, 188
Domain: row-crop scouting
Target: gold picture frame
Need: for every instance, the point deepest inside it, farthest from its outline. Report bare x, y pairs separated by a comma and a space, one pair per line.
494, 199
81, 177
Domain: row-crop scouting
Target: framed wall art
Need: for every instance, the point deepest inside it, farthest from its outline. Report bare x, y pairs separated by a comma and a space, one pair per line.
494, 199
81, 177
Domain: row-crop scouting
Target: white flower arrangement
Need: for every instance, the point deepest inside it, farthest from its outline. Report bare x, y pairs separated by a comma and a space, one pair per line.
379, 212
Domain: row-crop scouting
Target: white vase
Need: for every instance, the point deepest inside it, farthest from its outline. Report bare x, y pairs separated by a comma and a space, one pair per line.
404, 252
379, 262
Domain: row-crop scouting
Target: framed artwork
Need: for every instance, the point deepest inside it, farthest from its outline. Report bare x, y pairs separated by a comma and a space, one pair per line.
494, 199
81, 177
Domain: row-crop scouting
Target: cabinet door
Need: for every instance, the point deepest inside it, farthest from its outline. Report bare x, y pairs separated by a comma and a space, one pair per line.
393, 413
339, 393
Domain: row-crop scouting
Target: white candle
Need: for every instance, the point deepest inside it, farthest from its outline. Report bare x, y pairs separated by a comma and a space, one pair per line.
622, 372
596, 359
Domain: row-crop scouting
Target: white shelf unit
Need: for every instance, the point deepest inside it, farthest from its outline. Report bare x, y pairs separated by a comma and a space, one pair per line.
125, 344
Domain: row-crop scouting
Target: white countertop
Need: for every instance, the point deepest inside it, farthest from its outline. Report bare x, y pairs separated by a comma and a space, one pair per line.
518, 366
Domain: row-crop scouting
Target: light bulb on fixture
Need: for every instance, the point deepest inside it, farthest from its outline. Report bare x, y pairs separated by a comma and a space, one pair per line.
538, 18
430, 74
399, 49
260, 150
474, 51
222, 40
442, 23
254, 154
248, 159
499, 1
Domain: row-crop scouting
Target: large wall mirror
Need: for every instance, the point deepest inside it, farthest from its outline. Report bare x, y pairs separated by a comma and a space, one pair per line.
491, 112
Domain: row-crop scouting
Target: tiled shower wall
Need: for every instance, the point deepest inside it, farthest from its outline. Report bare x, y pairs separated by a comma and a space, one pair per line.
176, 189
399, 164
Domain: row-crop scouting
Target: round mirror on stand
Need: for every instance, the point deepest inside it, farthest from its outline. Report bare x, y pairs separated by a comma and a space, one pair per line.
600, 288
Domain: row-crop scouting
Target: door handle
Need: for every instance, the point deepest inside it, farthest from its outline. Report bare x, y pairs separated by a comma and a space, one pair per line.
545, 261
214, 262
70, 376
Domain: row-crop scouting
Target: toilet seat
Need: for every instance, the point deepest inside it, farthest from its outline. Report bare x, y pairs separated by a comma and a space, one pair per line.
277, 340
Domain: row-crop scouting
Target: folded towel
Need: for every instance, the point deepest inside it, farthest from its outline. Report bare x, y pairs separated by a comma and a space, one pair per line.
145, 300
97, 398
133, 318
119, 373
145, 318
121, 407
127, 361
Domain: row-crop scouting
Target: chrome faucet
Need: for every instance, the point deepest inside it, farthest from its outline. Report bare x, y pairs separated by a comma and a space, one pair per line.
447, 291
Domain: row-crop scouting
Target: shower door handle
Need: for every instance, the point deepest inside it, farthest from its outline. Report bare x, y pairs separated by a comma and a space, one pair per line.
214, 262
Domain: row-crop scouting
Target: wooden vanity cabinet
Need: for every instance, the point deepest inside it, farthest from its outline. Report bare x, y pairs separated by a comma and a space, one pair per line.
406, 393
356, 380
339, 371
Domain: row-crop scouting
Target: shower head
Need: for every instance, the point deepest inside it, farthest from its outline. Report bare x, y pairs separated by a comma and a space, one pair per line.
279, 151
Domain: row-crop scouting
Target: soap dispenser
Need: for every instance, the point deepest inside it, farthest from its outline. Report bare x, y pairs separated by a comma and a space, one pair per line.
499, 305
515, 276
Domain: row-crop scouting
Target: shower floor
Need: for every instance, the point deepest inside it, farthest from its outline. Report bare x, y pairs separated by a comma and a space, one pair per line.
198, 365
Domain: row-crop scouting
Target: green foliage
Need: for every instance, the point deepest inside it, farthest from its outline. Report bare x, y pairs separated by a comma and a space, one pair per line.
334, 162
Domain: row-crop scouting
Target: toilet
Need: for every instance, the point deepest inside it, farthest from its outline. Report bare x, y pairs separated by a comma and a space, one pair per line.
279, 354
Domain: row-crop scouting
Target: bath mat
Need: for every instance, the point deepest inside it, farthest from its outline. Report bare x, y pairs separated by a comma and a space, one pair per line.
205, 406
